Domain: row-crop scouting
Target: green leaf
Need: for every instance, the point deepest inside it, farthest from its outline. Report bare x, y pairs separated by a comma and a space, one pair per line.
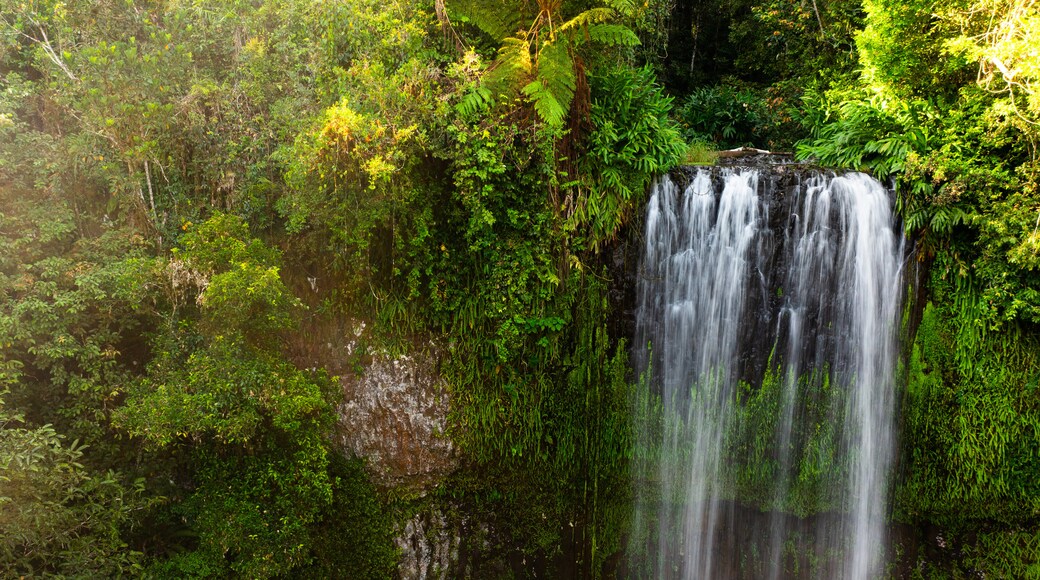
556, 75
497, 20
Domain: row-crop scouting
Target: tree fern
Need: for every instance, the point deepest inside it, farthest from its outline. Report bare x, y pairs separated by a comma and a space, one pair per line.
512, 67
612, 35
499, 20
586, 19
556, 76
515, 55
546, 104
623, 7
535, 58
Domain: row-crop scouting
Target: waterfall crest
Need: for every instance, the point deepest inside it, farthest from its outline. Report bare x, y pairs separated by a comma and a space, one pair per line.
767, 324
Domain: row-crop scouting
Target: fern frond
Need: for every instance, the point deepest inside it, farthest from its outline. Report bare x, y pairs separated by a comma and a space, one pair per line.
556, 73
515, 54
587, 18
623, 7
498, 20
512, 69
545, 103
613, 35
474, 101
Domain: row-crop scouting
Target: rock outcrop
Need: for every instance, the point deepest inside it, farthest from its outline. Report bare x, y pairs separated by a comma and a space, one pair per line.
394, 414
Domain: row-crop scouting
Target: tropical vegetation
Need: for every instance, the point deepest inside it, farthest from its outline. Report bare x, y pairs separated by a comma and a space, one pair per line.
465, 172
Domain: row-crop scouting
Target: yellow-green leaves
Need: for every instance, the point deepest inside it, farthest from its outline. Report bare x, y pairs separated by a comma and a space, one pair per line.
237, 279
539, 52
1003, 36
350, 141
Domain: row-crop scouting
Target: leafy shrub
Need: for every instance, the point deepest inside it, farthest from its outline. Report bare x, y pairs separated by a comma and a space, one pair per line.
869, 134
219, 390
57, 517
355, 537
726, 116
632, 141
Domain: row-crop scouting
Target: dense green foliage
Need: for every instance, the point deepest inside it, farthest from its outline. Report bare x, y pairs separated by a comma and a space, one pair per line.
172, 174
728, 117
57, 515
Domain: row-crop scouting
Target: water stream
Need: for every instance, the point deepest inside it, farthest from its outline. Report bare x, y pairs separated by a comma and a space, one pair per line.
767, 311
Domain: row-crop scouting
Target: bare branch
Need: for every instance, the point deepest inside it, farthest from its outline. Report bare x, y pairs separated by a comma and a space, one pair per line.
47, 48
45, 43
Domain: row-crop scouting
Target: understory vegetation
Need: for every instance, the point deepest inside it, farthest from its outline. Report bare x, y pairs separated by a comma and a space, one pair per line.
174, 177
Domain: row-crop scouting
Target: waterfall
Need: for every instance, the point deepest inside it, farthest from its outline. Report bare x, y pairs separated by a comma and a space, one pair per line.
766, 325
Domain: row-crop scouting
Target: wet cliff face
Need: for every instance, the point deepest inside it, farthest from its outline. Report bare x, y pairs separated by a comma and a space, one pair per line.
779, 176
429, 544
394, 414
394, 409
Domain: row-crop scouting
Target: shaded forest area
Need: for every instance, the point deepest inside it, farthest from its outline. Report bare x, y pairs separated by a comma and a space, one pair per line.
187, 187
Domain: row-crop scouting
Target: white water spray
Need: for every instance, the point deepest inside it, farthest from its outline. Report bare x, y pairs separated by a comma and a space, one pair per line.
707, 305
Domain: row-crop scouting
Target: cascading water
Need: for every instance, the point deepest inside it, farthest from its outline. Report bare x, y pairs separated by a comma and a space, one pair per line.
766, 319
